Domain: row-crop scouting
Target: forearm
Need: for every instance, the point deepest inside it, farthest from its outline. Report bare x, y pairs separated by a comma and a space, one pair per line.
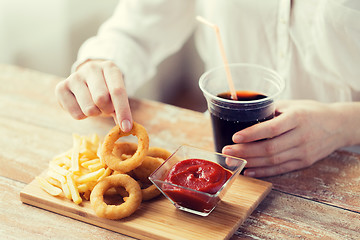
348, 115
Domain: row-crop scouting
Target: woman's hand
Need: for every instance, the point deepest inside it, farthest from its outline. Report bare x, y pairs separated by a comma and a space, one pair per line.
302, 133
96, 88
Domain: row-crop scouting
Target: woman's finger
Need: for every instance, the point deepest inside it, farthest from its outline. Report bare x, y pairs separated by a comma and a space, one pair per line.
268, 129
82, 94
118, 95
68, 101
254, 162
268, 171
98, 89
267, 148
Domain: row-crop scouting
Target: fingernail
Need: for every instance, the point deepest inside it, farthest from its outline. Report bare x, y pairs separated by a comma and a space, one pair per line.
238, 138
249, 173
126, 125
227, 150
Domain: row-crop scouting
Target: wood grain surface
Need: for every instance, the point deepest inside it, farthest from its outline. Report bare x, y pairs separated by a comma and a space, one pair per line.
335, 181
319, 202
284, 216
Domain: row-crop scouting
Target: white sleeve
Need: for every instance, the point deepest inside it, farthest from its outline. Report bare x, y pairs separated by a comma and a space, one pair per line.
139, 35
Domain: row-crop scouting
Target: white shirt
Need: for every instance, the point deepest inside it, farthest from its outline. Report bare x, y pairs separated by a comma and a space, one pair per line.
313, 45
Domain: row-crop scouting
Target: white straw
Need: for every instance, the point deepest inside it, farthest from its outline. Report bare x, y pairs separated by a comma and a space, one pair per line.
222, 51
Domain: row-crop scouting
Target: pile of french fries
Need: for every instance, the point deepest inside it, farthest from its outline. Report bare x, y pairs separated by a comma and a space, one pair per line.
74, 173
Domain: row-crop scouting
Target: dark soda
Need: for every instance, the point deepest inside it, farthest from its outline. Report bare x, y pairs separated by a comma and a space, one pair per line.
227, 121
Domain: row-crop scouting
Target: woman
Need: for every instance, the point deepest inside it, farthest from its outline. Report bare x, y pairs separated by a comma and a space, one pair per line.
313, 45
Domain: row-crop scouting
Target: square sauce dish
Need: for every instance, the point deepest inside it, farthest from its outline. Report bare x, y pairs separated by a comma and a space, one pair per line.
195, 180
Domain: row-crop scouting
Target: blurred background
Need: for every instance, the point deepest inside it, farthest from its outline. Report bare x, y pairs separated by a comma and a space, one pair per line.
46, 35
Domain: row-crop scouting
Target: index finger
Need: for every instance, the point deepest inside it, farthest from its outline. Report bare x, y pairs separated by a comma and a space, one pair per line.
265, 130
116, 86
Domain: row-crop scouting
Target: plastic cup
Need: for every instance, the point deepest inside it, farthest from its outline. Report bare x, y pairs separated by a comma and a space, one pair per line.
257, 87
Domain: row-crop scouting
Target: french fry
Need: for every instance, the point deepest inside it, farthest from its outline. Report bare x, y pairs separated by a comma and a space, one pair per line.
83, 188
75, 165
87, 154
56, 176
56, 168
49, 188
91, 177
95, 141
63, 158
90, 162
98, 152
91, 185
107, 172
73, 189
53, 181
96, 166
66, 190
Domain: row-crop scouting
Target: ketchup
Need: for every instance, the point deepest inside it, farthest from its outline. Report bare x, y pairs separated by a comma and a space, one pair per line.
197, 174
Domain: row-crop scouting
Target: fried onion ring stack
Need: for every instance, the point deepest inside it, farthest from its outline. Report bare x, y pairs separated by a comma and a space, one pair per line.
132, 166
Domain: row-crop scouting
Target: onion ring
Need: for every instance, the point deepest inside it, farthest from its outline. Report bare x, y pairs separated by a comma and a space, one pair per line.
150, 193
122, 191
155, 157
129, 148
114, 162
149, 165
131, 204
124, 150
142, 173
158, 152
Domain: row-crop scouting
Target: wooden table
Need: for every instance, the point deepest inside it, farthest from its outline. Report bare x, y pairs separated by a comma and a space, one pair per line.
321, 202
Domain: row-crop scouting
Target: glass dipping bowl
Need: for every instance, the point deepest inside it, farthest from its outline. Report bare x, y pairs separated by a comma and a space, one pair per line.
187, 199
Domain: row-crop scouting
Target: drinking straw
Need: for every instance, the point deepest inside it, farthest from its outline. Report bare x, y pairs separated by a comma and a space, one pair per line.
222, 51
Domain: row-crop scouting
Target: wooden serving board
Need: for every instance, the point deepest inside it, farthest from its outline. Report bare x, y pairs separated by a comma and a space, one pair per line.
159, 219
